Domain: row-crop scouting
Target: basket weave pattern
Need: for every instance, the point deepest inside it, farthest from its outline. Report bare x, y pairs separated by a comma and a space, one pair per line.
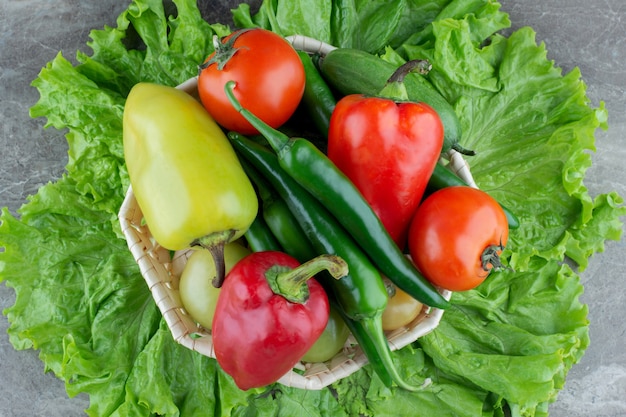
162, 271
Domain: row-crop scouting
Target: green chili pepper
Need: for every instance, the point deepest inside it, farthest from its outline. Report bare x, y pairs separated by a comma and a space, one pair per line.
361, 294
317, 96
367, 345
317, 174
280, 221
443, 177
260, 237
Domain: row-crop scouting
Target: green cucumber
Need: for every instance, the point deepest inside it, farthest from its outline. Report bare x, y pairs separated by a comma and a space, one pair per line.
352, 71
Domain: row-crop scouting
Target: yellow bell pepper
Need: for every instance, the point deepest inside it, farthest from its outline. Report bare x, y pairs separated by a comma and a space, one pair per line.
185, 175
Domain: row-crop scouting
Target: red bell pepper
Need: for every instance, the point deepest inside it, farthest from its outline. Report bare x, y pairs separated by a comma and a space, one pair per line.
388, 147
269, 314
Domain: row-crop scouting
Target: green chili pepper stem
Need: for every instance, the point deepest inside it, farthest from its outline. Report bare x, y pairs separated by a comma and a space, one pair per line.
291, 283
309, 167
277, 140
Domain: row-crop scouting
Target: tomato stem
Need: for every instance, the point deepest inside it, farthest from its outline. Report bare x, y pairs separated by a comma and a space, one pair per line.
390, 287
490, 258
291, 283
224, 51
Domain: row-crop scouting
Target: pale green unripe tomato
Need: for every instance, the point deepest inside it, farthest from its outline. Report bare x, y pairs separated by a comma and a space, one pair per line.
197, 293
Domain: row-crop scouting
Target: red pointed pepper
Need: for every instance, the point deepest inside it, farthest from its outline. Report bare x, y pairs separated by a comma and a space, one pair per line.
269, 314
388, 146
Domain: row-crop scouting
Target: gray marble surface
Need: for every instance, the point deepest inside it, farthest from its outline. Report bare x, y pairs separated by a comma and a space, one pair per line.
580, 33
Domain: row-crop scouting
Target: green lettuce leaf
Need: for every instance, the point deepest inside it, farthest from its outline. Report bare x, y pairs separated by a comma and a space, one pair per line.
505, 347
506, 337
79, 299
362, 24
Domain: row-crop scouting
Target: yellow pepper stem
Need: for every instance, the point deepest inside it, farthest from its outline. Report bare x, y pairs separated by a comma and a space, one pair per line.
214, 243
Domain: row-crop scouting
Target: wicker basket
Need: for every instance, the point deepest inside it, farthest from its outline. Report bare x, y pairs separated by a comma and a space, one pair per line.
162, 272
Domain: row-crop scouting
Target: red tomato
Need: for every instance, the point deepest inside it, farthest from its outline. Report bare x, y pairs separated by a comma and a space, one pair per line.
456, 237
269, 75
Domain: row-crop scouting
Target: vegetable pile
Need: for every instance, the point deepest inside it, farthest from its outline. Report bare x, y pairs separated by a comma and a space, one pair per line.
503, 348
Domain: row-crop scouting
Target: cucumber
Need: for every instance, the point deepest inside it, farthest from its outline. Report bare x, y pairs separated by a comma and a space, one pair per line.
352, 71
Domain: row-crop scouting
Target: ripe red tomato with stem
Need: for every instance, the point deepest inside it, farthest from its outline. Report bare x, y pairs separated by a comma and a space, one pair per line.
269, 75
456, 237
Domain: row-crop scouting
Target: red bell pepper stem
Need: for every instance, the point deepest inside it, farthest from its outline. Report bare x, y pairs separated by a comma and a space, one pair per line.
291, 283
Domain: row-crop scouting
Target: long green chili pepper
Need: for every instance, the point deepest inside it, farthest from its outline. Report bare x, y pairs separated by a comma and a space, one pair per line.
367, 345
361, 294
443, 177
279, 219
260, 237
304, 162
317, 97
